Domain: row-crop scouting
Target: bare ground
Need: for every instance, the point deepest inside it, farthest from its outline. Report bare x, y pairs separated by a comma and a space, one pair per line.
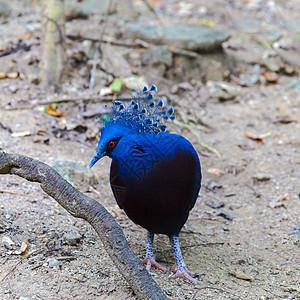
258, 182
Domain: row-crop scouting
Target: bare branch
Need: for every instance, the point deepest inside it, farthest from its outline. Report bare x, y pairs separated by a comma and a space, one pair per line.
81, 206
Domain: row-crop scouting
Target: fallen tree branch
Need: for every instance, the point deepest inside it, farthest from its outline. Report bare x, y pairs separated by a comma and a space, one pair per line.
81, 206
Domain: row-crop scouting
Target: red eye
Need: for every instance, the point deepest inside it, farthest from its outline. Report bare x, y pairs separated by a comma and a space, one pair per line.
111, 144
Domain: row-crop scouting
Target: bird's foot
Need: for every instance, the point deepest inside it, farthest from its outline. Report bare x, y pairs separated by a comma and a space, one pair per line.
150, 261
183, 271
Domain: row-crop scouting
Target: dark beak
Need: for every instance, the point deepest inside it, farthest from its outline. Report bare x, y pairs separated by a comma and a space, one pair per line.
96, 158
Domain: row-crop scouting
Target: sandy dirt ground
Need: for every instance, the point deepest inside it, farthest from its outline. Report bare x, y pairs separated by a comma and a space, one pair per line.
247, 249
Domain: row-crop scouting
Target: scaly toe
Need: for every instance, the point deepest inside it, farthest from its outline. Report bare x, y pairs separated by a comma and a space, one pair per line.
151, 262
184, 272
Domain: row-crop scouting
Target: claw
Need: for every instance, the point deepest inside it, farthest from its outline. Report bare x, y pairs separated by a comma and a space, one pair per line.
183, 271
152, 262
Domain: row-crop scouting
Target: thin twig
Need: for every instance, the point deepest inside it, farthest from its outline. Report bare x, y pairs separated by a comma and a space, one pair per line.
194, 131
19, 194
11, 270
6, 128
149, 5
37, 266
88, 99
66, 258
191, 119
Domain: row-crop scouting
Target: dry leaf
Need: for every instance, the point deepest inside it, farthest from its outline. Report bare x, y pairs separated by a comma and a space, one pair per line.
42, 130
241, 275
214, 171
22, 249
105, 91
21, 134
283, 119
51, 110
2, 75
284, 197
27, 36
253, 136
42, 139
13, 75
42, 237
271, 77
8, 240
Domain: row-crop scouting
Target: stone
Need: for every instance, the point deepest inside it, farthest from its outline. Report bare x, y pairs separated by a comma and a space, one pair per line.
207, 66
262, 177
157, 55
248, 80
13, 88
272, 36
4, 9
224, 91
247, 25
115, 62
74, 172
75, 9
292, 25
72, 238
185, 37
81, 10
53, 262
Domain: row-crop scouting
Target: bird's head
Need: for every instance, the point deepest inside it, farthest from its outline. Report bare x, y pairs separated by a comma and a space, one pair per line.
113, 139
141, 114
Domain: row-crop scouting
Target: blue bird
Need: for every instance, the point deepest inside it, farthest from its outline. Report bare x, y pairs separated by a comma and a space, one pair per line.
155, 176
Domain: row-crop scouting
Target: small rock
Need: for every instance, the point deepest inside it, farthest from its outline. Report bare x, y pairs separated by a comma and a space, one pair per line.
13, 88
53, 262
213, 186
276, 204
222, 90
116, 64
248, 80
272, 36
72, 238
225, 228
214, 171
241, 275
215, 205
225, 215
261, 177
157, 55
4, 9
7, 242
75, 9
74, 172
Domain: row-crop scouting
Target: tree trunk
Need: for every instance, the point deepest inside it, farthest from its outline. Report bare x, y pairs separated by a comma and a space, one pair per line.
53, 54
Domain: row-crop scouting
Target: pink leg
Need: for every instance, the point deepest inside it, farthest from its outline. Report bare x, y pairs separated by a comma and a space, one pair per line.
181, 269
150, 258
